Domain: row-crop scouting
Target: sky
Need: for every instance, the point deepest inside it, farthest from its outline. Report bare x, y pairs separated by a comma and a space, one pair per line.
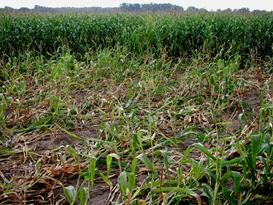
207, 4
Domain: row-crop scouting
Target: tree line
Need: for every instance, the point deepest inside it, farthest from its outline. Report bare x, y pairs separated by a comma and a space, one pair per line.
126, 7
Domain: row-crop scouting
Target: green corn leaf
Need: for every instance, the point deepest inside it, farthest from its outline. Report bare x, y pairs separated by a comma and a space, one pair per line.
74, 154
117, 157
70, 194
91, 170
180, 190
106, 180
205, 151
147, 162
234, 161
123, 184
108, 163
83, 195
207, 191
131, 181
166, 161
134, 164
185, 157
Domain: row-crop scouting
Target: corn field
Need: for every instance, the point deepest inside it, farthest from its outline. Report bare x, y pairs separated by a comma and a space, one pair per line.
177, 35
136, 109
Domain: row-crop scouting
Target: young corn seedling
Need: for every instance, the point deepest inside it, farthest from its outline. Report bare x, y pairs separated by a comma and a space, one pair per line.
127, 183
81, 193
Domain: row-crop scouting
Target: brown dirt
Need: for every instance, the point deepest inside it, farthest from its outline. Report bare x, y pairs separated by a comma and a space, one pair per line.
37, 172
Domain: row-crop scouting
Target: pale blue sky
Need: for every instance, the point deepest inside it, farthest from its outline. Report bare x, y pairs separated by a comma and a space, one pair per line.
208, 4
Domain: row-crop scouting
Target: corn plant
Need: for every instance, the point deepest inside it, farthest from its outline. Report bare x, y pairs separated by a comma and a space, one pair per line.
223, 35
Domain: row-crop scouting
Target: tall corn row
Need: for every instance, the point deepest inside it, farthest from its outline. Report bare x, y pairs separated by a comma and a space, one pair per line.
178, 35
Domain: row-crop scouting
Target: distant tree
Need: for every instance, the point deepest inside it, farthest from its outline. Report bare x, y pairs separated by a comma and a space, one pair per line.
130, 7
192, 9
257, 11
123, 6
149, 7
154, 7
24, 9
203, 10
242, 10
9, 9
228, 10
